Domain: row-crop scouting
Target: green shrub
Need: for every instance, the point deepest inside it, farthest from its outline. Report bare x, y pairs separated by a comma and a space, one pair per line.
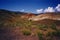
49, 34
27, 32
53, 26
40, 35
56, 33
42, 27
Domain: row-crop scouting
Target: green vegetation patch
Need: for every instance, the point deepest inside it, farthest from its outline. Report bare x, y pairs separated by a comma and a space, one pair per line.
26, 32
40, 35
42, 27
53, 26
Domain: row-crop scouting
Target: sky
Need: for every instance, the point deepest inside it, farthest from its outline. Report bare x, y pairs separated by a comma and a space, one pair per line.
34, 6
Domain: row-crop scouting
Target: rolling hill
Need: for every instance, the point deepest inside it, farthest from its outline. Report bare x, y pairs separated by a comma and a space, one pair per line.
29, 26
53, 16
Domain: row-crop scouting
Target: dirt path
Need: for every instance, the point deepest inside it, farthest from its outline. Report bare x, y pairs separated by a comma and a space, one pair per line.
14, 34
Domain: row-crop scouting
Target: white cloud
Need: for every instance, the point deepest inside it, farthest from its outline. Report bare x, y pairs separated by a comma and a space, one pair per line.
39, 10
49, 9
22, 10
58, 7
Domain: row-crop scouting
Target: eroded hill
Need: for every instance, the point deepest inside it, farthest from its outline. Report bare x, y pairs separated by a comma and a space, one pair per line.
53, 16
21, 26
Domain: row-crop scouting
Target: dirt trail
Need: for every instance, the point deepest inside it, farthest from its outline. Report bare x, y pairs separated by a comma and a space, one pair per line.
14, 34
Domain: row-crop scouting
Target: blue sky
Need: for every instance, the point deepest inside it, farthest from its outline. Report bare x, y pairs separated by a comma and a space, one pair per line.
27, 5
